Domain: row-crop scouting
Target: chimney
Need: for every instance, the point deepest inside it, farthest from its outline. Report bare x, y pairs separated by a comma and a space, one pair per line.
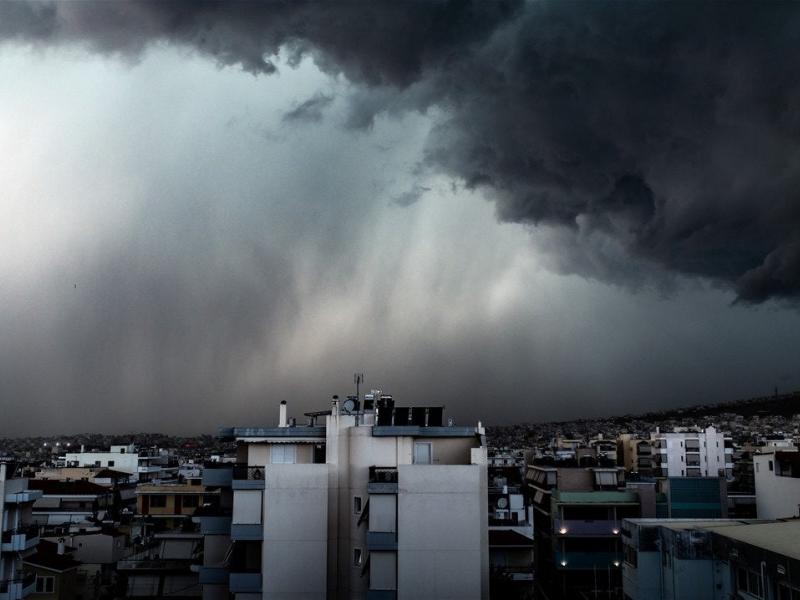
82, 448
282, 415
61, 546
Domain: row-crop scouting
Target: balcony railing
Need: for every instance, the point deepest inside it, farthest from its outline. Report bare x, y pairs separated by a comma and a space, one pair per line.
19, 540
587, 560
579, 528
244, 583
13, 589
248, 477
26, 530
382, 480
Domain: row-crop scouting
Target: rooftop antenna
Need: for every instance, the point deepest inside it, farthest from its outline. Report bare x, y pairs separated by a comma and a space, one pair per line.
358, 379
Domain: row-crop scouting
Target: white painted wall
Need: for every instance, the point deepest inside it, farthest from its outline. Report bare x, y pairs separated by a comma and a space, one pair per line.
442, 522
776, 497
123, 461
247, 507
295, 549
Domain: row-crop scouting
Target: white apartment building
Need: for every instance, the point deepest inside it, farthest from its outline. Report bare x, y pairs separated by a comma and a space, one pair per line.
777, 479
17, 535
380, 502
692, 453
141, 464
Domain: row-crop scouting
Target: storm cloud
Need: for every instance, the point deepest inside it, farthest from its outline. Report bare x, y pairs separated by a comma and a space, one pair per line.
186, 243
666, 131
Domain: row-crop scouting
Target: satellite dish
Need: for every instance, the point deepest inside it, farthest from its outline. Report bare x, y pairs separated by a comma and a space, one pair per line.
502, 502
349, 405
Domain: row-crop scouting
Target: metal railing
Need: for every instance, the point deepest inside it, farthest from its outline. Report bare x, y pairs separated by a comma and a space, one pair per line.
382, 475
26, 580
30, 531
246, 472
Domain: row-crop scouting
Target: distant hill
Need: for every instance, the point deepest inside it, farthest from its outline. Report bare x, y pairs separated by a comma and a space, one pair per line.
784, 405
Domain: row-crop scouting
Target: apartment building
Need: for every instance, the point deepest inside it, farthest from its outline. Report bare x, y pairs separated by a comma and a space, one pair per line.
18, 534
169, 505
511, 542
636, 455
577, 517
777, 479
381, 501
666, 559
692, 453
143, 464
63, 503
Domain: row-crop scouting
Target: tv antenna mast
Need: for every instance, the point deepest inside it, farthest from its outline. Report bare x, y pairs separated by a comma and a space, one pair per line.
358, 379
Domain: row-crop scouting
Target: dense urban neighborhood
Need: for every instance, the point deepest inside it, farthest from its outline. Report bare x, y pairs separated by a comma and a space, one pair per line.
363, 496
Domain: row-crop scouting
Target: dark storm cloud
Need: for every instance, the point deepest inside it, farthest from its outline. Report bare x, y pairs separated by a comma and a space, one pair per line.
411, 196
309, 110
666, 131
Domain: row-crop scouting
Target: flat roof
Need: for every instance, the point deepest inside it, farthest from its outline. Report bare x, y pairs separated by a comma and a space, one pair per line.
300, 431
683, 524
420, 431
779, 537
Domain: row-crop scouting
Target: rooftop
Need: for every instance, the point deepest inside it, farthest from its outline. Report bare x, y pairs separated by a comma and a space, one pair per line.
779, 537
53, 487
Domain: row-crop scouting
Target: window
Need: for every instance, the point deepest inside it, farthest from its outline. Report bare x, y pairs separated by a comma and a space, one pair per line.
190, 501
283, 454
357, 557
357, 505
158, 501
771, 466
45, 584
422, 453
111, 463
98, 463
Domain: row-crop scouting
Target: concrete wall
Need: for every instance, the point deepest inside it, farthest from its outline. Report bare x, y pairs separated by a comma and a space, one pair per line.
442, 521
126, 462
776, 497
294, 556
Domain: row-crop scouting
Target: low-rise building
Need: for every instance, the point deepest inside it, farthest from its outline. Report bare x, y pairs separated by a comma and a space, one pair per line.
777, 480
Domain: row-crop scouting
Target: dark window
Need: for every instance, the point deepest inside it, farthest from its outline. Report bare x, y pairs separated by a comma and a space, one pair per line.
45, 584
191, 501
158, 501
357, 505
771, 466
111, 463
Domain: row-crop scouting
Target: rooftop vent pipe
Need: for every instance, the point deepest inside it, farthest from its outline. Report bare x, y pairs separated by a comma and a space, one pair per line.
282, 415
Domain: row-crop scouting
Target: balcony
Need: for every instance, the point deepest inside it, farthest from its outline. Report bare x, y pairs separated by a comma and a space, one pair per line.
244, 583
16, 589
382, 480
587, 560
381, 594
212, 575
381, 540
20, 539
213, 520
243, 532
594, 528
23, 497
245, 477
217, 475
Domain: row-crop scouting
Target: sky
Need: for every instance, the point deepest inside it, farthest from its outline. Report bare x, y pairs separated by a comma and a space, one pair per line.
524, 211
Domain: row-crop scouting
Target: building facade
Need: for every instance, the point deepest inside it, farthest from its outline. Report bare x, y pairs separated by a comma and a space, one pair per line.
18, 534
381, 502
777, 478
